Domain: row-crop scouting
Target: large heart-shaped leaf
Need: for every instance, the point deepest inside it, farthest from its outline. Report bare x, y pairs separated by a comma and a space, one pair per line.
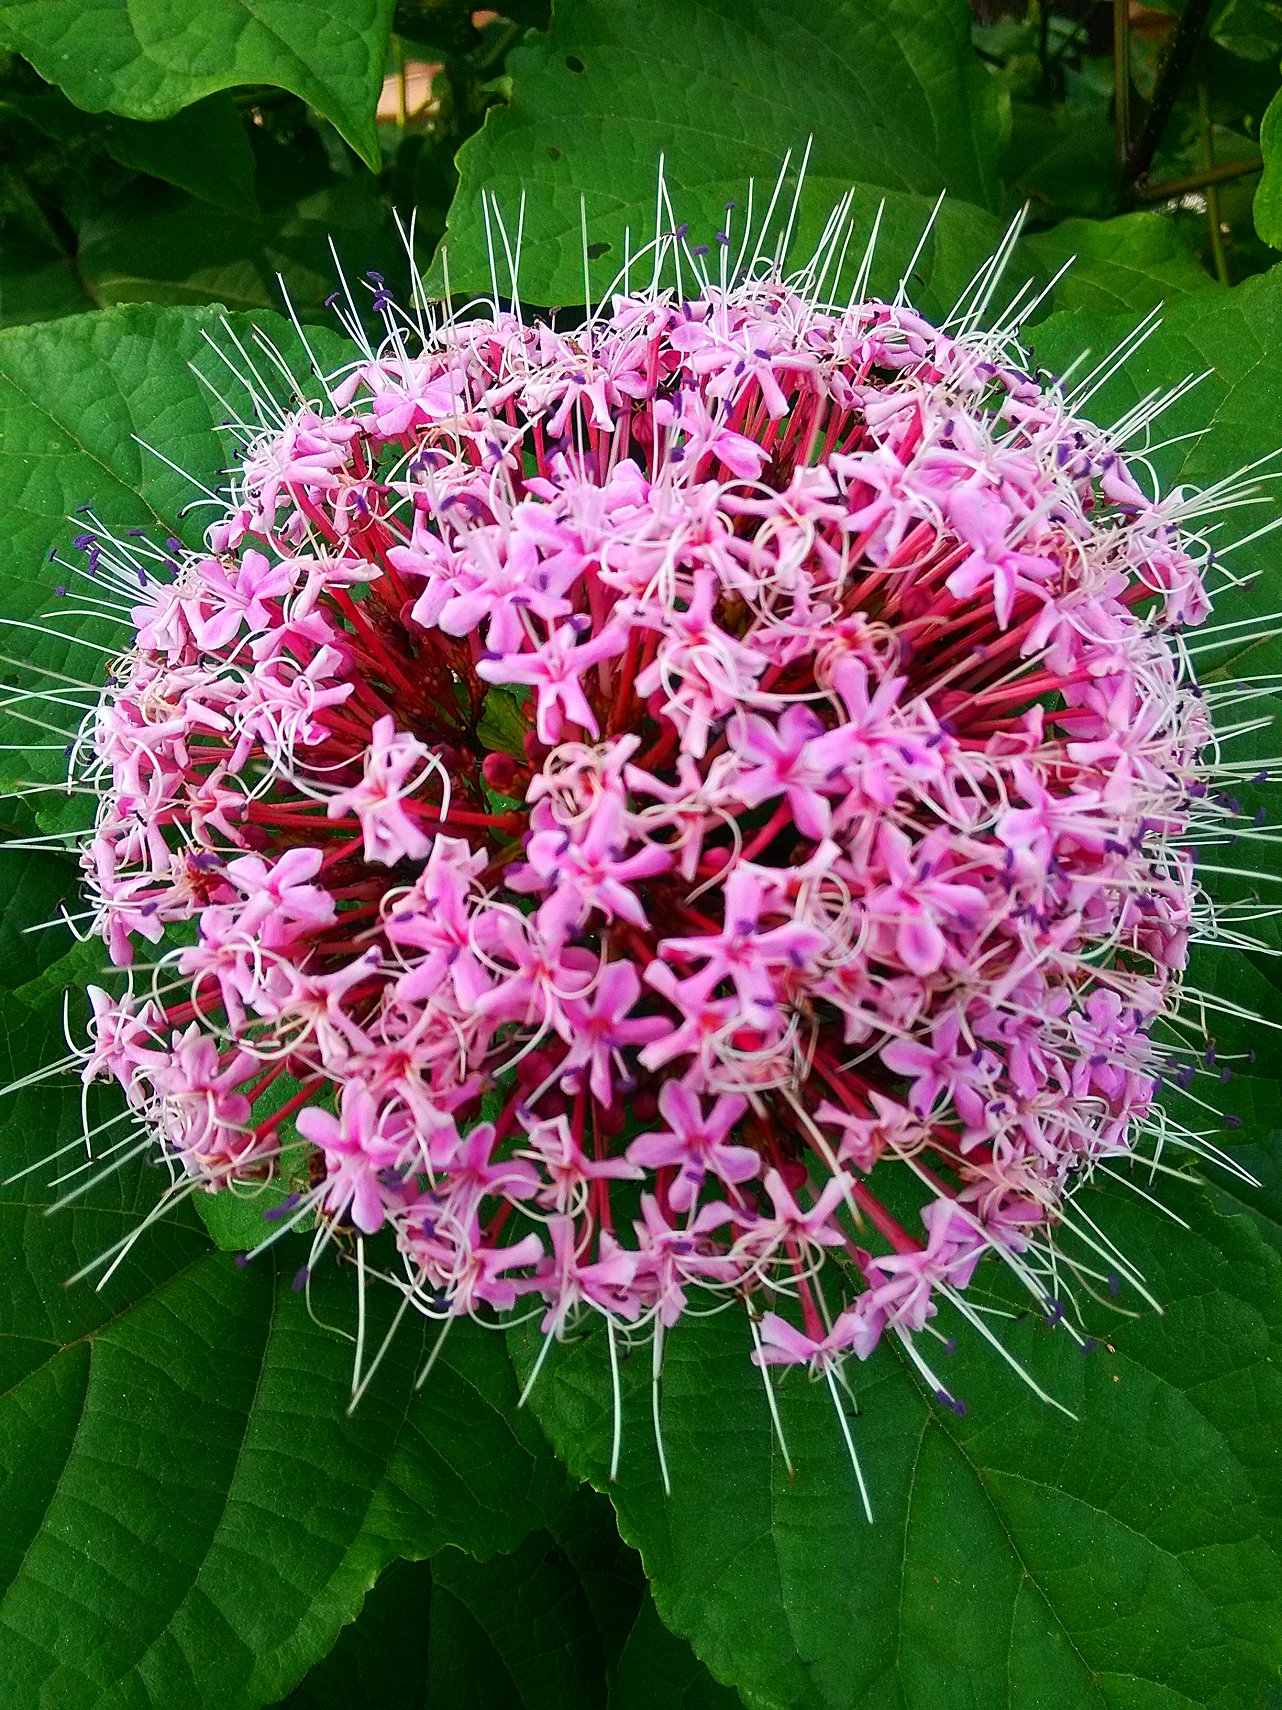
147, 59
1016, 1558
1233, 340
1133, 262
81, 401
190, 1512
892, 96
887, 100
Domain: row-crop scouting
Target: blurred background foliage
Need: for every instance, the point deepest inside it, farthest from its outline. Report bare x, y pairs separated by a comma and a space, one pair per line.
212, 203
197, 189
1115, 107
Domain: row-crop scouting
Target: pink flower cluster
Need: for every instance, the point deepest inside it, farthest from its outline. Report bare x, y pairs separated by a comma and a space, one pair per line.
691, 803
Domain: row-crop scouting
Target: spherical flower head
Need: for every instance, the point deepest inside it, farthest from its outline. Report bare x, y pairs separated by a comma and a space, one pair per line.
689, 805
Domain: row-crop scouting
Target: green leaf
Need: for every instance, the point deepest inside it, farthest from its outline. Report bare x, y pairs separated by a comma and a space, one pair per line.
35, 887
190, 1513
380, 1661
610, 1573
1130, 263
1257, 1100
598, 132
38, 284
148, 59
1062, 157
1016, 1558
1268, 193
513, 1633
173, 249
76, 399
659, 1671
1245, 1067
203, 149
1251, 28
892, 95
502, 725
564, 1620
242, 1217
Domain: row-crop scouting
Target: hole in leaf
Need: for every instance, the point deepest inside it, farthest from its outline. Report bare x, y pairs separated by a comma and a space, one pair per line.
574, 63
554, 153
597, 250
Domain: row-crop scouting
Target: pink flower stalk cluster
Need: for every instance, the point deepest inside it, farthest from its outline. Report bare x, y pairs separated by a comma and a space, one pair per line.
692, 803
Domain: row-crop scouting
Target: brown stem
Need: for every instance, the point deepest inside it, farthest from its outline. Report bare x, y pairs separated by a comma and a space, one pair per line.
1184, 40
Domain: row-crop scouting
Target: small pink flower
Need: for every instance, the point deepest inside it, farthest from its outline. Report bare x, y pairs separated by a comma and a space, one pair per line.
598, 1028
553, 669
394, 768
356, 1144
696, 1143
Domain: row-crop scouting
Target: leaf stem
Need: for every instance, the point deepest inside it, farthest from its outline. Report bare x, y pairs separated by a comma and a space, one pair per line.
1122, 82
1212, 188
402, 91
1200, 180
